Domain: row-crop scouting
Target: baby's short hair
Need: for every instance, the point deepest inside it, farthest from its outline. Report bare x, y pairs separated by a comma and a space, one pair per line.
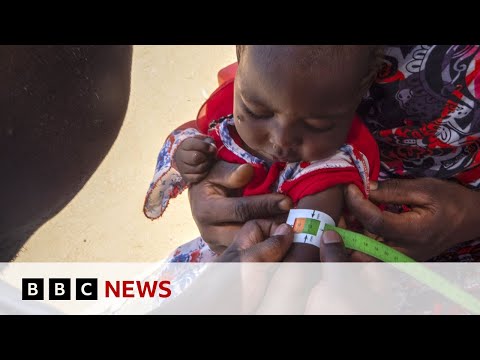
334, 52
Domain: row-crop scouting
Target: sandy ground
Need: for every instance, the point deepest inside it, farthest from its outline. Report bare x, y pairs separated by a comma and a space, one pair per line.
104, 222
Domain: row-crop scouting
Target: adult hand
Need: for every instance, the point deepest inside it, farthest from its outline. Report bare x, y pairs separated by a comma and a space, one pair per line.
265, 241
259, 241
219, 210
442, 214
337, 290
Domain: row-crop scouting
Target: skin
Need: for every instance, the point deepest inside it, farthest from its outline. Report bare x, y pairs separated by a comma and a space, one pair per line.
194, 159
287, 109
443, 214
61, 108
256, 241
259, 241
220, 212
421, 234
34, 199
289, 113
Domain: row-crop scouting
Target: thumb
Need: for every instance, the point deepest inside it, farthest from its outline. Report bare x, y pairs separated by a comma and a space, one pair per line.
272, 249
232, 176
241, 176
332, 248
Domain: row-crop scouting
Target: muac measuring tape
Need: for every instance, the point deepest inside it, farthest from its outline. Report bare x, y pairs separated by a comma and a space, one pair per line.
308, 226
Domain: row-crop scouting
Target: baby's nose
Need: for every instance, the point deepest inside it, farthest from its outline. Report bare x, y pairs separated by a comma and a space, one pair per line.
284, 138
284, 146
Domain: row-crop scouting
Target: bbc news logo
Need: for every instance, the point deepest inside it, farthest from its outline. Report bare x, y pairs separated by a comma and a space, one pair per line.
87, 289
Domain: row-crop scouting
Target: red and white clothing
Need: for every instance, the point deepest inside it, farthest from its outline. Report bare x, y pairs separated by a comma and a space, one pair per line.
423, 111
357, 162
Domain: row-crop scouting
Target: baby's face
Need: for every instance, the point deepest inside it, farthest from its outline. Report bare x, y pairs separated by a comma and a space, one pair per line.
289, 110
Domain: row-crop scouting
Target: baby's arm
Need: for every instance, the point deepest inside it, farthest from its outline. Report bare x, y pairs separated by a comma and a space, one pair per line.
194, 158
330, 202
297, 279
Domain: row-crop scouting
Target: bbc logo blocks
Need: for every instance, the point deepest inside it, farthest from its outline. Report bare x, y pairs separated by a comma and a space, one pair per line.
86, 289
32, 289
59, 289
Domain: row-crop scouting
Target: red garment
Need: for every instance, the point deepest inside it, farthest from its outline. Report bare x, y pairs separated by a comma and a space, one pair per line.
311, 177
220, 104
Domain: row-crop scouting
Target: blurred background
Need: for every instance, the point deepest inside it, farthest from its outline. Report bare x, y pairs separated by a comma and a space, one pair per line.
104, 221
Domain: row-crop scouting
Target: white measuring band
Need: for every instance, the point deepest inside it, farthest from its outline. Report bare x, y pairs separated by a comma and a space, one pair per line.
308, 225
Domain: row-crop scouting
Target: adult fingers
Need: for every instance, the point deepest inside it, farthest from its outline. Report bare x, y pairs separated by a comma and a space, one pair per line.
259, 241
252, 233
404, 226
402, 192
231, 176
219, 237
241, 209
196, 169
194, 178
332, 248
272, 249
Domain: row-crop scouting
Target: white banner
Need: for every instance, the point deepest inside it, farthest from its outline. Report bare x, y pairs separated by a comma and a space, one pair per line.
239, 288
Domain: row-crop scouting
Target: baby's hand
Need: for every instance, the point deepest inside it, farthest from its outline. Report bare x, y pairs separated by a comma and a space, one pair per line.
194, 158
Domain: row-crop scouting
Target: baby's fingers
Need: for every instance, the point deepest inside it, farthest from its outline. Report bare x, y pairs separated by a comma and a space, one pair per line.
195, 151
202, 144
193, 158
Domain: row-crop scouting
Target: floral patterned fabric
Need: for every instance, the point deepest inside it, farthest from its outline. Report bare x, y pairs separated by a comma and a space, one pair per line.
424, 112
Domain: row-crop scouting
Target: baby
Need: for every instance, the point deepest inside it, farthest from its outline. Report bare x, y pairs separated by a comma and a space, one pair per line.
294, 121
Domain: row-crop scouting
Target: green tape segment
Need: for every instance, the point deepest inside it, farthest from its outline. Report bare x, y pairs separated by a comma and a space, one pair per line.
364, 244
385, 253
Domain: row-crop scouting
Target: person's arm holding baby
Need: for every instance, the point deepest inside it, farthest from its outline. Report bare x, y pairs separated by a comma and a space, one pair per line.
194, 158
